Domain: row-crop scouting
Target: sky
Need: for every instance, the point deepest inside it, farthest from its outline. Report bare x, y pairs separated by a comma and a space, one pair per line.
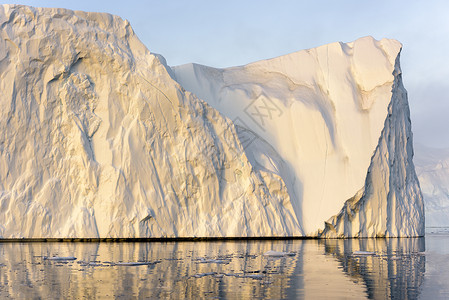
229, 33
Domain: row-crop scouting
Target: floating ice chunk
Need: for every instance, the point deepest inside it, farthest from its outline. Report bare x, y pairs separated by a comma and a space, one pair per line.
140, 263
395, 258
363, 253
59, 258
252, 276
212, 261
272, 253
205, 274
210, 273
82, 263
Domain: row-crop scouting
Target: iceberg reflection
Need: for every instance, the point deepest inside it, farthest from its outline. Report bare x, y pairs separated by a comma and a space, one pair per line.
222, 269
395, 270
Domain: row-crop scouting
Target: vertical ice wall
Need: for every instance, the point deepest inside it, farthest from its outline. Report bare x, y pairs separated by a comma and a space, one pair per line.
391, 203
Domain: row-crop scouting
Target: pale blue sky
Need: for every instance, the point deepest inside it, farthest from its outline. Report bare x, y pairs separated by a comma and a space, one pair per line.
227, 33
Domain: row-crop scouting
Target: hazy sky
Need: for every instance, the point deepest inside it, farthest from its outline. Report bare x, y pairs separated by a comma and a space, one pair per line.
227, 33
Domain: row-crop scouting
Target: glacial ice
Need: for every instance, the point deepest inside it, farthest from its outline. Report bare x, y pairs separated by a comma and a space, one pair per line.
333, 122
432, 168
99, 138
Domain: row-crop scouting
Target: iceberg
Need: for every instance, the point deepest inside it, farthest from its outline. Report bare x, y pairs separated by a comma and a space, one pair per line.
100, 138
432, 168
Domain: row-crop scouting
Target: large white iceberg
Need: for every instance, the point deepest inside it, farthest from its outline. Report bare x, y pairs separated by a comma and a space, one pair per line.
99, 138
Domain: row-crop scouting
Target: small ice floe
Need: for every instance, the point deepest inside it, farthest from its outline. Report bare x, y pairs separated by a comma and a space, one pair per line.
395, 258
212, 261
131, 264
59, 258
251, 276
89, 264
204, 274
363, 253
247, 256
138, 263
272, 253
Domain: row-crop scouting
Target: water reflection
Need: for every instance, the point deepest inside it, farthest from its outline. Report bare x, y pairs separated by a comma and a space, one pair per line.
395, 271
237, 269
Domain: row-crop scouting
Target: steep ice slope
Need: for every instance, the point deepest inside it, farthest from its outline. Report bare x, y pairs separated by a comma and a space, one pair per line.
320, 119
432, 168
97, 140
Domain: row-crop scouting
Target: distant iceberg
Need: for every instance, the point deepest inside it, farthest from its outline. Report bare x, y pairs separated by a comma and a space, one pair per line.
432, 167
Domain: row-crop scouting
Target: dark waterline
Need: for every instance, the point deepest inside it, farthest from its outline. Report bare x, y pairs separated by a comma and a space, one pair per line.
409, 268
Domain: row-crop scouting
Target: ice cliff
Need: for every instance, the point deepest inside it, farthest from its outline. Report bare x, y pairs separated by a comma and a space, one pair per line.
337, 120
99, 138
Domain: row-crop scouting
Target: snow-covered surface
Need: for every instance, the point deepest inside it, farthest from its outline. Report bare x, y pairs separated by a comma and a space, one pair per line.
316, 118
97, 139
432, 167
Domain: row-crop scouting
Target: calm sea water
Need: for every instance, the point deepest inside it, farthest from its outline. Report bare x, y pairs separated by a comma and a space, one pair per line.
315, 269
